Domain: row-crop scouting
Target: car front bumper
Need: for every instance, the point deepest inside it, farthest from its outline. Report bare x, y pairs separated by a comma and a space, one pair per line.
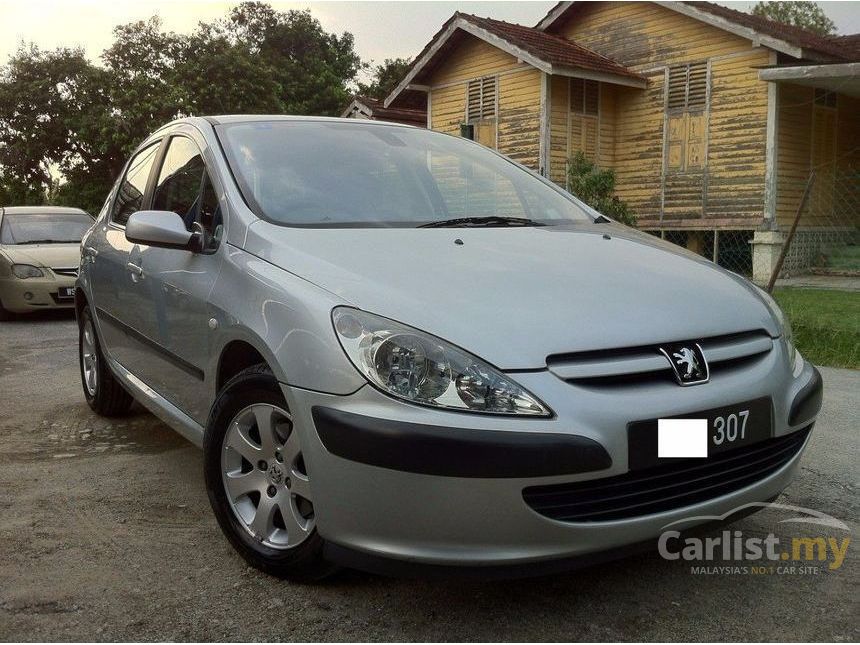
450, 494
32, 294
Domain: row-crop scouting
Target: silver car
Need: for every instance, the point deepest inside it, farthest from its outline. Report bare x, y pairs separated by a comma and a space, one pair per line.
403, 352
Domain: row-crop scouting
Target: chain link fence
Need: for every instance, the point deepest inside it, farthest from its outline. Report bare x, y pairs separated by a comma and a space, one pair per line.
731, 249
827, 238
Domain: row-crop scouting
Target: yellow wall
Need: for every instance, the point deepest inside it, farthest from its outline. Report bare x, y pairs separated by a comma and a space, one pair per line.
518, 88
796, 157
643, 35
648, 38
519, 116
559, 124
737, 136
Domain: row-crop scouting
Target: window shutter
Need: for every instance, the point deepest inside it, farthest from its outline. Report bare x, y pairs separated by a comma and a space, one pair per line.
474, 109
677, 136
592, 101
488, 97
688, 86
697, 85
695, 141
825, 98
584, 98
482, 99
677, 87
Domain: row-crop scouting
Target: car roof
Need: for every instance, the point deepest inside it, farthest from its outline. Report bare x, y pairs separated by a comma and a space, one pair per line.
35, 210
222, 119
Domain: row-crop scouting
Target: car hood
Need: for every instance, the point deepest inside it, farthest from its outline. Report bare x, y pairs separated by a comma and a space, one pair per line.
60, 256
513, 296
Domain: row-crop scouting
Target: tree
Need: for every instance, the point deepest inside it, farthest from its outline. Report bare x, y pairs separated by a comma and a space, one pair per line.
808, 15
385, 78
312, 68
41, 107
595, 186
60, 113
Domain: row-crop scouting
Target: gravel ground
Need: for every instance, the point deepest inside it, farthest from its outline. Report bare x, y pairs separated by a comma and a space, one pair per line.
106, 534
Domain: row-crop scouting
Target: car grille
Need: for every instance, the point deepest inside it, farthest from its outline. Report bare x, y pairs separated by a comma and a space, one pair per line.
71, 273
664, 488
635, 365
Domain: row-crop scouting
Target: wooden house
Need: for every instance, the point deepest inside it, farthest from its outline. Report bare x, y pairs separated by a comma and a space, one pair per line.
364, 107
690, 103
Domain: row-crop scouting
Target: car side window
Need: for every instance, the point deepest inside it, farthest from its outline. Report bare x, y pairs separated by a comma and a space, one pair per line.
129, 198
184, 187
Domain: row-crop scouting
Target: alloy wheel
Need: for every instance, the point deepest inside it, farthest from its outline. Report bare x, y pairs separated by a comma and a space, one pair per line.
89, 358
264, 476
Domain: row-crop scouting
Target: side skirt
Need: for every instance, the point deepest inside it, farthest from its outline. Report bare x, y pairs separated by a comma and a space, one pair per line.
158, 405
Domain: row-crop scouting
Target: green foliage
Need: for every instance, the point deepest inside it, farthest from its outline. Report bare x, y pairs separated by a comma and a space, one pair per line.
595, 186
60, 113
808, 15
385, 78
826, 324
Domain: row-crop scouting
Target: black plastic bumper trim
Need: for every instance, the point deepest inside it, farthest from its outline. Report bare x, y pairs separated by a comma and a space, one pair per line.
807, 403
455, 452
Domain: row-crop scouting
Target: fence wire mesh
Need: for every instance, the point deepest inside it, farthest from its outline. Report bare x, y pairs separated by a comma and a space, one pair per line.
731, 249
828, 230
825, 242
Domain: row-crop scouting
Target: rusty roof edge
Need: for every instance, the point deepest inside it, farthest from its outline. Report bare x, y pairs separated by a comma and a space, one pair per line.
476, 26
777, 43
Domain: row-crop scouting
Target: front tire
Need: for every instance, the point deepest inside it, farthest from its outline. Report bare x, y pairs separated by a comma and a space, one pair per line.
257, 481
104, 394
5, 314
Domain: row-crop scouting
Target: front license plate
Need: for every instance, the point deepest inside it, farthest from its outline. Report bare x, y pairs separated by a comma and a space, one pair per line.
728, 428
66, 292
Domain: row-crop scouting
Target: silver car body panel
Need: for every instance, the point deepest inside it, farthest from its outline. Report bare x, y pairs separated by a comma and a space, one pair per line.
512, 296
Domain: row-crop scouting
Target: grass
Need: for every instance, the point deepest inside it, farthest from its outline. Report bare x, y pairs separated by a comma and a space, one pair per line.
826, 324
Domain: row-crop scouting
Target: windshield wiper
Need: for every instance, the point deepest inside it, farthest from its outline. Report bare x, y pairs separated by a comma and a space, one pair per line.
602, 219
490, 220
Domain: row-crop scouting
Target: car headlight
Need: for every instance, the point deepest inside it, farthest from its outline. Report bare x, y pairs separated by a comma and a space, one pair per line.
784, 325
25, 271
417, 367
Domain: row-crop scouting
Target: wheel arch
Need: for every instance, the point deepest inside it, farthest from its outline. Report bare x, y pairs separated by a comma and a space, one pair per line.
81, 301
239, 354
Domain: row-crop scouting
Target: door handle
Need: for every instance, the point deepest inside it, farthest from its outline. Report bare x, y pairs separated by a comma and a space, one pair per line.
136, 271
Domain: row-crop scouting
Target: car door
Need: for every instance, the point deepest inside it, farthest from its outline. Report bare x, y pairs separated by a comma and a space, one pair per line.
113, 261
176, 283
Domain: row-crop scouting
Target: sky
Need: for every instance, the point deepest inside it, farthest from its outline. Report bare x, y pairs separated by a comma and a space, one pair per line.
381, 29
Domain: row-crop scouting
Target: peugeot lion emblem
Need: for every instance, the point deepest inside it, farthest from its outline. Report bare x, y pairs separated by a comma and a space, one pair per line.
688, 362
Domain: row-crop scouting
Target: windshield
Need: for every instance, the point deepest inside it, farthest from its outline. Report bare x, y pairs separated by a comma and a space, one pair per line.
318, 173
44, 228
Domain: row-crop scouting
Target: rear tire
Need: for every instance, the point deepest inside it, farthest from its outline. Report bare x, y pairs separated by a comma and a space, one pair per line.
103, 392
251, 447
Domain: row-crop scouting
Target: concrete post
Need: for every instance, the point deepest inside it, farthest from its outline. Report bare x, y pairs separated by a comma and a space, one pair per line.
766, 246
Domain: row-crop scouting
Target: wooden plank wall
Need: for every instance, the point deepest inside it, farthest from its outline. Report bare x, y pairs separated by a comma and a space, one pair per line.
737, 135
559, 122
797, 130
519, 117
648, 38
518, 88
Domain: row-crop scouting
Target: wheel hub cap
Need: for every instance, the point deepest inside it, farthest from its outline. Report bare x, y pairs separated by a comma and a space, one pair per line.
276, 475
264, 477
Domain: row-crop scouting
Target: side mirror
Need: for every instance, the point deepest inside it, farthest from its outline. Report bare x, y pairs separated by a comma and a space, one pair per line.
163, 229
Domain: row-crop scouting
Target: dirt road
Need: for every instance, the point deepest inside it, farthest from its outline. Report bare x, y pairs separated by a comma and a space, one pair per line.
106, 534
